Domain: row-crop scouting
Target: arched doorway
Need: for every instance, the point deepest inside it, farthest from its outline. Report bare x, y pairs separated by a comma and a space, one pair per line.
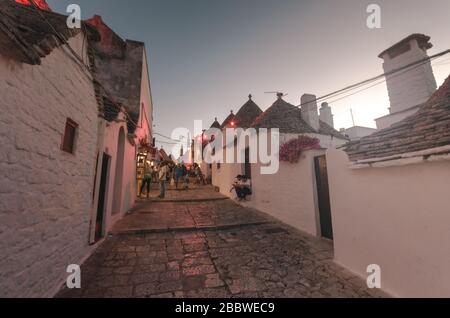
118, 179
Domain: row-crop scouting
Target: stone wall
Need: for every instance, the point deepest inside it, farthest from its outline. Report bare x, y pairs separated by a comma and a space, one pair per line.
45, 193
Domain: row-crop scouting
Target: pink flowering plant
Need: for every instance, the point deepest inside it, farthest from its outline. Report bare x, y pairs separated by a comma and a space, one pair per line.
292, 150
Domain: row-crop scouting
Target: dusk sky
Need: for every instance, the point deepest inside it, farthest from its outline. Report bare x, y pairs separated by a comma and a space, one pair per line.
206, 56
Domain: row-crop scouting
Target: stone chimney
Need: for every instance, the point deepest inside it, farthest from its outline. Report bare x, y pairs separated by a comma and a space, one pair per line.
411, 87
309, 111
326, 115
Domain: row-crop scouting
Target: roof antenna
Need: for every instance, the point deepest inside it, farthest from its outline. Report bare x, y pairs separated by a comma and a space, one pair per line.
279, 94
353, 117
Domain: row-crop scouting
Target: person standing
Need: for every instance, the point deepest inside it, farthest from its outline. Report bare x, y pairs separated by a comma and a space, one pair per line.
178, 174
147, 180
162, 177
185, 176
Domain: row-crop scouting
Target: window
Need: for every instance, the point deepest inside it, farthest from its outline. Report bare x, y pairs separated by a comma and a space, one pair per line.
218, 166
68, 142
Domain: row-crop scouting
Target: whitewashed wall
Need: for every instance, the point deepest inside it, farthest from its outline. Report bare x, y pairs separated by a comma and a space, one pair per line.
129, 192
290, 195
396, 217
44, 192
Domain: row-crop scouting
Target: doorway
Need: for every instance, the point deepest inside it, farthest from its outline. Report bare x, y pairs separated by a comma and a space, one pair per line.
323, 196
118, 176
247, 164
99, 222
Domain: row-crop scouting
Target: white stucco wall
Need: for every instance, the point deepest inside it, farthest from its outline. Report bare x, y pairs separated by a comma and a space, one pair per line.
410, 88
358, 132
109, 145
388, 120
396, 217
129, 192
45, 193
290, 195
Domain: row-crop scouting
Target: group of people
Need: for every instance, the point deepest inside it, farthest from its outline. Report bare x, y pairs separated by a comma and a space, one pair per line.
180, 173
158, 173
168, 171
243, 187
198, 174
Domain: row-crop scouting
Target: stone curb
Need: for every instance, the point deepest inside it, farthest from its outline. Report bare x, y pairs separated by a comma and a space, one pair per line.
189, 229
183, 200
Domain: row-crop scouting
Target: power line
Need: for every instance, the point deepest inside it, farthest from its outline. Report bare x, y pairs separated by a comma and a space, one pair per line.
167, 143
161, 135
378, 77
382, 81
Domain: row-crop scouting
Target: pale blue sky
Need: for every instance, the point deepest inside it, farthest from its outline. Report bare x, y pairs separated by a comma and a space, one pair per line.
205, 57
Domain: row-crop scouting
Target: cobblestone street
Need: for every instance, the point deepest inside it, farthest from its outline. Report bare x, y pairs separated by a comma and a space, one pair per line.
211, 247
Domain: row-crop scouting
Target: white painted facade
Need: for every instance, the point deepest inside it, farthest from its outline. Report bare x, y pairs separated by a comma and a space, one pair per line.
358, 132
49, 198
396, 217
45, 193
116, 142
290, 195
388, 120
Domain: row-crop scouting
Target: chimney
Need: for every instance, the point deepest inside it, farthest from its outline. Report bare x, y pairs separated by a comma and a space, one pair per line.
309, 111
326, 115
414, 86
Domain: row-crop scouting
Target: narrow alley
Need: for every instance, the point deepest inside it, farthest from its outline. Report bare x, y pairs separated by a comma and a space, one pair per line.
197, 243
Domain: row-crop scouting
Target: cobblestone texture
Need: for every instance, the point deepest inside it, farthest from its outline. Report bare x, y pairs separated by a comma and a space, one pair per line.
256, 261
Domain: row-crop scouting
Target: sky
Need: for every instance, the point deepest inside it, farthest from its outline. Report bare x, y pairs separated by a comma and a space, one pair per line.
206, 56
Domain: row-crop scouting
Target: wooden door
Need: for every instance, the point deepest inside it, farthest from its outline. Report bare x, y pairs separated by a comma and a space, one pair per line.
323, 196
99, 223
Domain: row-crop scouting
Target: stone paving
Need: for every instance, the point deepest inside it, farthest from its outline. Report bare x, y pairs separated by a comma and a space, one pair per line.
194, 209
256, 261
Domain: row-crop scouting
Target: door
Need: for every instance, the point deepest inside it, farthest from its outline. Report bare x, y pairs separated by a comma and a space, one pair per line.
323, 196
247, 164
99, 223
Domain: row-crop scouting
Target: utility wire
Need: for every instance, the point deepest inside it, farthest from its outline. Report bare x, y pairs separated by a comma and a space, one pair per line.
161, 135
378, 77
381, 82
324, 97
167, 143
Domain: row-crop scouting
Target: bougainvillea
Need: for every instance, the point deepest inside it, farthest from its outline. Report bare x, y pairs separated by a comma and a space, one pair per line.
145, 145
292, 150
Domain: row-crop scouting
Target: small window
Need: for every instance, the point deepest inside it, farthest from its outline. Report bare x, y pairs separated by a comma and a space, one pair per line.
218, 166
68, 144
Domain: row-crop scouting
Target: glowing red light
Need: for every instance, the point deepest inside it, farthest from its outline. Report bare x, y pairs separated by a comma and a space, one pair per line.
42, 4
232, 123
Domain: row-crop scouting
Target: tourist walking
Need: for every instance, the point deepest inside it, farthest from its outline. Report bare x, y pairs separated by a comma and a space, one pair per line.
147, 181
178, 174
185, 176
162, 177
